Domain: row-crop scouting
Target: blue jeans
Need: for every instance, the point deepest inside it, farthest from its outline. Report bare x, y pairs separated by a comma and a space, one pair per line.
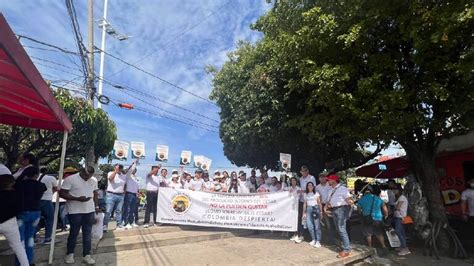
47, 211
113, 201
314, 227
27, 223
340, 216
78, 220
129, 206
400, 230
63, 215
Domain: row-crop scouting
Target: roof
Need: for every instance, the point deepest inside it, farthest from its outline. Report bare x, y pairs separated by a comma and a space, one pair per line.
25, 98
395, 168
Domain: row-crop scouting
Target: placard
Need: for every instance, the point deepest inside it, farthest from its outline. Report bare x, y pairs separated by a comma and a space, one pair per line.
162, 153
285, 161
198, 160
138, 149
206, 164
185, 158
120, 151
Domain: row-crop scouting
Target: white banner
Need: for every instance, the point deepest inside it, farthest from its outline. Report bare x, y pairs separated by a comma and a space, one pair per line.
162, 153
138, 149
185, 158
267, 211
120, 151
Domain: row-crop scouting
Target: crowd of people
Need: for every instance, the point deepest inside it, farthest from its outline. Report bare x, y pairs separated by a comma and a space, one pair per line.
325, 205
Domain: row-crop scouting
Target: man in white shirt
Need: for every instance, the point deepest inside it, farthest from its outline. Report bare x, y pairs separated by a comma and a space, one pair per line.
153, 181
197, 183
244, 185
338, 205
208, 184
304, 179
80, 192
467, 202
323, 189
46, 204
115, 194
130, 200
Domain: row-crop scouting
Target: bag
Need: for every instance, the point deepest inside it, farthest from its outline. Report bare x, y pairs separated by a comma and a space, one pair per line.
367, 219
407, 220
97, 228
393, 238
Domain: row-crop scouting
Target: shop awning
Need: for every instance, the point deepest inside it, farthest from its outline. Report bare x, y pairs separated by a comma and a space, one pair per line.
395, 168
25, 98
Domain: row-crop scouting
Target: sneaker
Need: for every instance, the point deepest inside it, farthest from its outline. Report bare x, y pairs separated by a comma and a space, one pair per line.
128, 226
312, 243
343, 254
317, 244
299, 239
88, 259
134, 225
293, 238
120, 228
69, 259
146, 225
404, 252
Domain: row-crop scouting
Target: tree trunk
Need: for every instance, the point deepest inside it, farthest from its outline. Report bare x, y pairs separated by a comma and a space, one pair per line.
90, 156
424, 166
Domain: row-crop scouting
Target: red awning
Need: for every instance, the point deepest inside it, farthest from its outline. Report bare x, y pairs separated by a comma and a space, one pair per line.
396, 168
25, 98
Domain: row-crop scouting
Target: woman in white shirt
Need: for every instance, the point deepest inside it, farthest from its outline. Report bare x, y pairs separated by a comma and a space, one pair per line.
174, 183
294, 191
401, 207
262, 186
234, 186
312, 212
274, 185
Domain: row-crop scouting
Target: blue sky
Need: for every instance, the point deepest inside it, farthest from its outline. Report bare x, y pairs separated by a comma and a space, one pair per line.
174, 39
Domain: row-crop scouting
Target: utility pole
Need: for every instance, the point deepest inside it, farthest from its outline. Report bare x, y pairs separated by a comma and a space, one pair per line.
90, 155
90, 29
102, 54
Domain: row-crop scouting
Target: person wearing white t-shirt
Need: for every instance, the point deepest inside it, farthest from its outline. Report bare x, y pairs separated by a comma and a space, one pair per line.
274, 184
153, 183
197, 183
304, 179
312, 212
208, 184
174, 183
401, 207
244, 184
25, 161
262, 186
130, 203
323, 189
46, 204
115, 194
294, 191
338, 205
467, 202
80, 192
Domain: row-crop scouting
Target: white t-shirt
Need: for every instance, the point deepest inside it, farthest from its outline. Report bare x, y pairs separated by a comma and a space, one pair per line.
78, 187
311, 198
263, 188
197, 184
468, 195
339, 195
175, 185
304, 181
323, 191
153, 183
244, 187
403, 209
117, 185
50, 182
208, 185
132, 184
273, 188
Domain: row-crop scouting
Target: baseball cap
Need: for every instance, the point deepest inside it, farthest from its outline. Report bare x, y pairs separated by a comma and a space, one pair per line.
70, 169
198, 171
4, 170
333, 177
174, 175
174, 171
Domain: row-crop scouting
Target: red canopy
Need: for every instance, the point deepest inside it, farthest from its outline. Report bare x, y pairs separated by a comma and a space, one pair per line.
25, 98
396, 168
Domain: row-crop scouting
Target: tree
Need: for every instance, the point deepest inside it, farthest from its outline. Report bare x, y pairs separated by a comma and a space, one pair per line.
375, 71
90, 127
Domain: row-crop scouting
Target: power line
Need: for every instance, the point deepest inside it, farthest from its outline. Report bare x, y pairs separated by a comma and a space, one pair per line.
177, 37
115, 85
46, 44
56, 63
155, 76
55, 68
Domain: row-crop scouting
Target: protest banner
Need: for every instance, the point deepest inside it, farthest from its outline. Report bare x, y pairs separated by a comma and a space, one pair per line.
285, 161
138, 149
206, 164
267, 211
185, 158
120, 151
162, 153
198, 160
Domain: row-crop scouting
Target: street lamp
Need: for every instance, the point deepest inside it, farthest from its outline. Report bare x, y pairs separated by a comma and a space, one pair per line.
106, 29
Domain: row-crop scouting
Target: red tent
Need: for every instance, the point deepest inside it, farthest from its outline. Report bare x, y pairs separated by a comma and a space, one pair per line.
395, 168
25, 98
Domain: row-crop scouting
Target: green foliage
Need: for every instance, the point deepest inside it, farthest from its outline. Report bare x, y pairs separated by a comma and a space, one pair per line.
90, 127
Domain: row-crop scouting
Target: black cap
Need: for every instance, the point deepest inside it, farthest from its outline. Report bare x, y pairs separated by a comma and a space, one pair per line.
198, 171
